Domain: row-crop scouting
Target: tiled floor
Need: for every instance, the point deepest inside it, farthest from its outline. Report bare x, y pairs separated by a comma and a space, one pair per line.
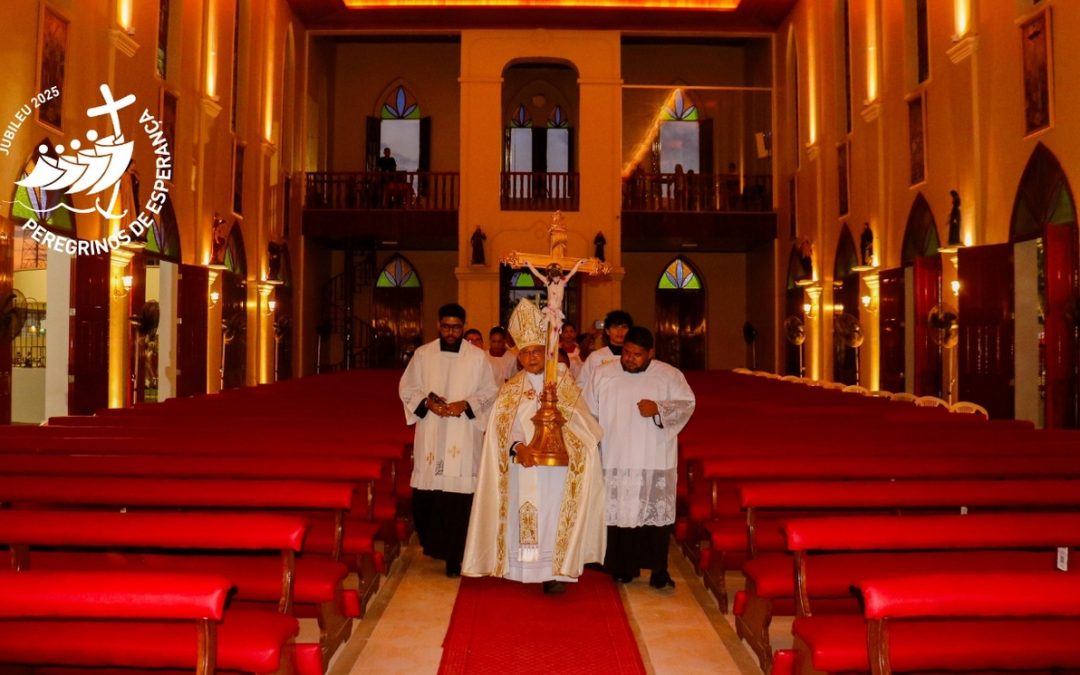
678, 631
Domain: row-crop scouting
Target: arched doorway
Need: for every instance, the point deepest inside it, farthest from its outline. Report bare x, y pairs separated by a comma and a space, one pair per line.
907, 296
1044, 224
793, 327
681, 337
846, 294
397, 301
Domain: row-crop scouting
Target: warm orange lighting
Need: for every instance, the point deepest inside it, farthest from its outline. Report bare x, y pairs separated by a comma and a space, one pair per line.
211, 54
271, 77
871, 52
124, 14
961, 18
725, 5
652, 132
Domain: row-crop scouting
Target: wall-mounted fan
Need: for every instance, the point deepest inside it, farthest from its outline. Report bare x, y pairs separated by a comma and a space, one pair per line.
233, 327
12, 315
944, 325
146, 321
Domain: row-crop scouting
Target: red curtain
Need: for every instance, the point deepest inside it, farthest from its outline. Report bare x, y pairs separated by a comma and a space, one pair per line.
985, 359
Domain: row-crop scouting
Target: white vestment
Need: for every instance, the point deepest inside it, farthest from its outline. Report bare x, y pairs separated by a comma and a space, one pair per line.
564, 528
503, 366
593, 361
639, 456
446, 450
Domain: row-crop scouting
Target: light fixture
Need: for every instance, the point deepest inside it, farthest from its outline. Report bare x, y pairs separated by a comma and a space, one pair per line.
955, 286
808, 310
868, 304
271, 306
215, 297
123, 285
838, 308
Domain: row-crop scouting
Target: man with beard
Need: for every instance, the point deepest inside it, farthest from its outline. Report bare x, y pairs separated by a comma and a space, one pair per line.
447, 390
642, 404
533, 523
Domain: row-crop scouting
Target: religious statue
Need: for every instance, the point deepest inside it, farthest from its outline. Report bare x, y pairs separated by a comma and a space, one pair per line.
866, 245
217, 251
478, 238
954, 219
806, 257
547, 447
273, 261
598, 245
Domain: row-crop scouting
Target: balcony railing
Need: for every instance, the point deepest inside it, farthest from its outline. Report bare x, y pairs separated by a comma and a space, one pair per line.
539, 191
369, 190
696, 192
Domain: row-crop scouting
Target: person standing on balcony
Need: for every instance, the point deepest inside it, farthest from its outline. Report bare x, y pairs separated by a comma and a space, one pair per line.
387, 167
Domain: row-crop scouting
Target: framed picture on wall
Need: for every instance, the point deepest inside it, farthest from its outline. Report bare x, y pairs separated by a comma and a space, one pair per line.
52, 57
844, 174
917, 136
238, 178
1038, 69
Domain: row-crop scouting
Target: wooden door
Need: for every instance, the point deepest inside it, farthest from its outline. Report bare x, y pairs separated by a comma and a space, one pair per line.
192, 303
928, 354
1060, 328
680, 328
88, 364
985, 359
891, 308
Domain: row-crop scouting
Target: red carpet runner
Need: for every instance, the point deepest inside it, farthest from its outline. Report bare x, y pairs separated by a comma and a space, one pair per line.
499, 626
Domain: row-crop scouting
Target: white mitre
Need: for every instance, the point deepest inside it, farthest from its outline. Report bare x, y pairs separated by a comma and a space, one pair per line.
527, 325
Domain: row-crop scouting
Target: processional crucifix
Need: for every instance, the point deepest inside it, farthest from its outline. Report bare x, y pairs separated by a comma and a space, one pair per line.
546, 447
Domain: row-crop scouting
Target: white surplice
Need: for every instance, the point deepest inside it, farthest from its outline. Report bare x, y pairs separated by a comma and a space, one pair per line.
446, 450
639, 455
593, 361
503, 367
562, 516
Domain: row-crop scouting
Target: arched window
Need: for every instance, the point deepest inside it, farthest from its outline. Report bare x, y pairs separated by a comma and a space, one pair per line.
680, 317
401, 128
920, 234
235, 257
523, 279
1043, 197
679, 276
163, 238
398, 273
680, 134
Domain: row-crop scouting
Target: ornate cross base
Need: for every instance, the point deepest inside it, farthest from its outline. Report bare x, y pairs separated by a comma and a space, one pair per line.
546, 447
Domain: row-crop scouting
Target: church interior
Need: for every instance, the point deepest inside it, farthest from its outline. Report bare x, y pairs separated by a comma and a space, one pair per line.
848, 222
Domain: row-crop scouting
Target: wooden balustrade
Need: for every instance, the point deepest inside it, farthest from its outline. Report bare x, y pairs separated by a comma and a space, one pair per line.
539, 191
696, 192
367, 190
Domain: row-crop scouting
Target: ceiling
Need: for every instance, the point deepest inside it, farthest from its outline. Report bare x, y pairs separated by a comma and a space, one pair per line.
750, 16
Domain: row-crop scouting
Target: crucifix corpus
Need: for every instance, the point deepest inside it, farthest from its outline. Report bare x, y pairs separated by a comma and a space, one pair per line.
546, 447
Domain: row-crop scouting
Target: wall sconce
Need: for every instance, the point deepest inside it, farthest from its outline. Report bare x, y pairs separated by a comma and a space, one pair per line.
838, 308
215, 297
808, 310
271, 306
868, 304
955, 286
123, 286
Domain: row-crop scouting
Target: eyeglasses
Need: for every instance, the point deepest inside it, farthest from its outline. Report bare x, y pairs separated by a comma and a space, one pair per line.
452, 326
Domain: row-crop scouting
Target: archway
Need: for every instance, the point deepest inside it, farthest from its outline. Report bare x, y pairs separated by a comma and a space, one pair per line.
397, 304
681, 336
1044, 224
845, 294
154, 309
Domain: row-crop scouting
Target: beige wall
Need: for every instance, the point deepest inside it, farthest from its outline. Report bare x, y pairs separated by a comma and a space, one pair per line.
724, 278
365, 73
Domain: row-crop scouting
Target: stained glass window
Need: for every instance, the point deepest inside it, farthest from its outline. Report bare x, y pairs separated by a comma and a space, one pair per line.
400, 105
557, 119
679, 276
679, 110
522, 280
48, 208
398, 273
235, 258
521, 119
163, 239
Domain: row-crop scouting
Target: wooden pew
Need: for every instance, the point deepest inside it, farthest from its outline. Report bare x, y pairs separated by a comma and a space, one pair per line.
823, 547
963, 621
24, 532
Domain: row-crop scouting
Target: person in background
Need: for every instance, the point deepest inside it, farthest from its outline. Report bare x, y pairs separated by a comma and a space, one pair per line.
642, 405
475, 338
447, 390
616, 323
503, 363
568, 342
